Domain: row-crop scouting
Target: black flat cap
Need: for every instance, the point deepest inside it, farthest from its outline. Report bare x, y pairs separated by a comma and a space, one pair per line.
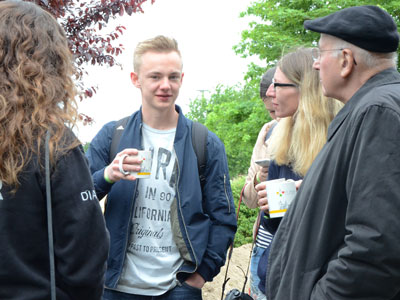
368, 27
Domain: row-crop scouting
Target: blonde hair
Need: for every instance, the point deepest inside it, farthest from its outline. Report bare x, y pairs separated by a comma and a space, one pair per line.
36, 89
297, 140
160, 44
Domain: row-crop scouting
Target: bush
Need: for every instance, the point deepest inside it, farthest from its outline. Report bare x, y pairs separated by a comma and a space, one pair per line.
243, 114
247, 216
86, 146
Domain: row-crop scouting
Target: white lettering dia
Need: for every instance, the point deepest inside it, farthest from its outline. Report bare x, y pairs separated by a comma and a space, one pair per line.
1, 186
88, 195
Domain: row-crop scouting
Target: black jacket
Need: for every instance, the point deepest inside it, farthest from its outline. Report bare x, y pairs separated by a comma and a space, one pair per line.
340, 237
81, 240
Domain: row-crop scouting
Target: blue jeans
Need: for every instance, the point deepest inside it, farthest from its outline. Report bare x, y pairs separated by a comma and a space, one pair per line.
180, 292
254, 279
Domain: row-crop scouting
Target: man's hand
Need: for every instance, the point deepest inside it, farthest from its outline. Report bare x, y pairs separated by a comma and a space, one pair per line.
131, 163
195, 280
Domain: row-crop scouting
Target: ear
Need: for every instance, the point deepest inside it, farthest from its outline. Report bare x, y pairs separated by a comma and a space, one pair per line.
182, 77
347, 63
135, 79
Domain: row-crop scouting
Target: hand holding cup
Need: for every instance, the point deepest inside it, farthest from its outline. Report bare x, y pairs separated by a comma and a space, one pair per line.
280, 192
129, 164
262, 199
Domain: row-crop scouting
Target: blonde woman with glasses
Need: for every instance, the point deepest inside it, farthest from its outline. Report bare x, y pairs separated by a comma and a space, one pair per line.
305, 115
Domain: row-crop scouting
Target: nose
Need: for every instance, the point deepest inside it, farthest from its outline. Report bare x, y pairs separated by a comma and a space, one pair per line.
316, 65
271, 91
165, 84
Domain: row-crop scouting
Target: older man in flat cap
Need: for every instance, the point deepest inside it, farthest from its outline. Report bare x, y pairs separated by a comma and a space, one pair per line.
340, 239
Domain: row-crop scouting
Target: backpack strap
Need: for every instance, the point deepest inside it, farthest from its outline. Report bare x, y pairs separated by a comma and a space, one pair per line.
199, 141
116, 136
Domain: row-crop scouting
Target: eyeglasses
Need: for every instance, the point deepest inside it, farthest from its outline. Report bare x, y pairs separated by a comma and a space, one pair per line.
316, 52
276, 84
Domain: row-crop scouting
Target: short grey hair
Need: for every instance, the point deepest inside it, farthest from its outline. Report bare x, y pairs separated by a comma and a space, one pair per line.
368, 58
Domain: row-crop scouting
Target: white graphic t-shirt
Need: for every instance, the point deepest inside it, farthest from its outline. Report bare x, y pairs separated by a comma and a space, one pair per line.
152, 257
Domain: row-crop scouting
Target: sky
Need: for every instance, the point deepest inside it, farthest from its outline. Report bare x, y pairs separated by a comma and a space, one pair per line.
206, 31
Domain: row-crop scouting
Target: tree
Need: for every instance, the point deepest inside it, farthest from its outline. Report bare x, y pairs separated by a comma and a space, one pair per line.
280, 26
235, 115
83, 21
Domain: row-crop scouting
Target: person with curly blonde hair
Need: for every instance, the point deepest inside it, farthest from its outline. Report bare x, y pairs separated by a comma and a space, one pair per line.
37, 95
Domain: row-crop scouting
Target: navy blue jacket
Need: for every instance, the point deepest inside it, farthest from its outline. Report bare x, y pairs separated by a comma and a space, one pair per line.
274, 172
203, 225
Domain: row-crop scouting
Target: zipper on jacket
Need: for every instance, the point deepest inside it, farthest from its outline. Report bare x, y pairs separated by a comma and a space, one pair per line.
226, 194
178, 199
130, 221
127, 238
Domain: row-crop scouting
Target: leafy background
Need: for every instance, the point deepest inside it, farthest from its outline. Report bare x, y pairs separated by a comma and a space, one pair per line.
236, 113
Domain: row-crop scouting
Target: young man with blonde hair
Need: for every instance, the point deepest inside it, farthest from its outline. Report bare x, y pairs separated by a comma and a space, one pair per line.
169, 234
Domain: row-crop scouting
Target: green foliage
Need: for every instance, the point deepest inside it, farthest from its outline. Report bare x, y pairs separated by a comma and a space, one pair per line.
235, 115
247, 216
198, 110
86, 146
280, 25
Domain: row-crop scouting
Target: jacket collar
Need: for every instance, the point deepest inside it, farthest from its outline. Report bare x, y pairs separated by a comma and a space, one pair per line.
136, 121
386, 77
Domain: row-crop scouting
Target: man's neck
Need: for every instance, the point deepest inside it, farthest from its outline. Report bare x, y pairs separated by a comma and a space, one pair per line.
161, 120
360, 78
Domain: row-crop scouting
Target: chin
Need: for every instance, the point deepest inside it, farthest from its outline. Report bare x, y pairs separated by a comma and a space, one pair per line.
325, 92
281, 115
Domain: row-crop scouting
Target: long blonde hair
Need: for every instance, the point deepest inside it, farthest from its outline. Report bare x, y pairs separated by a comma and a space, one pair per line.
36, 88
297, 140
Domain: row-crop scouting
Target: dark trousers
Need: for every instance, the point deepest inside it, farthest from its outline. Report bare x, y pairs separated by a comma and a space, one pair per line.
183, 292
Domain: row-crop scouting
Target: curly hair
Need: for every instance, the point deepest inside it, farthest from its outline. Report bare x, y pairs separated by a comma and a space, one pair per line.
36, 87
298, 139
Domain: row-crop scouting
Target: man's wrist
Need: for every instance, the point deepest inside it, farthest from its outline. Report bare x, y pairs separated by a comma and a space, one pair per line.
106, 178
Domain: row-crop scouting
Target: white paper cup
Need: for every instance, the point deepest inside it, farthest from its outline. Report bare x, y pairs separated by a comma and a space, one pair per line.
280, 194
145, 167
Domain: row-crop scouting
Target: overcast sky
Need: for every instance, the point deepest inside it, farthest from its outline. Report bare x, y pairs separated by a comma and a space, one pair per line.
205, 30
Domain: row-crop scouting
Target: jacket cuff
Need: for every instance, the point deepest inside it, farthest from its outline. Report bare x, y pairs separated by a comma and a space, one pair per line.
205, 272
101, 186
